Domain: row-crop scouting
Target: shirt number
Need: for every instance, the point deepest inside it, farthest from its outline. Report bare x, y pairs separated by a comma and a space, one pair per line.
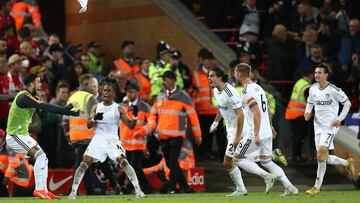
263, 103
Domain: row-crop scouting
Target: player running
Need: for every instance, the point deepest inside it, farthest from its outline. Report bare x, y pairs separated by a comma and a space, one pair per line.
326, 97
257, 145
230, 108
105, 118
18, 138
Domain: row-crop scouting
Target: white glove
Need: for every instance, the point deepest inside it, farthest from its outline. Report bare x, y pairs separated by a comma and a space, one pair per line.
213, 126
83, 4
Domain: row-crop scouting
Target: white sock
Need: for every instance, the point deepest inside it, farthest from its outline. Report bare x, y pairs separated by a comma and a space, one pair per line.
320, 173
250, 167
39, 169
46, 175
78, 176
335, 160
279, 172
130, 172
235, 175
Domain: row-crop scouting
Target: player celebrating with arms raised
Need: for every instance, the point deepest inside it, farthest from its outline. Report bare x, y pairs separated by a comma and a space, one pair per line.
326, 97
105, 118
18, 138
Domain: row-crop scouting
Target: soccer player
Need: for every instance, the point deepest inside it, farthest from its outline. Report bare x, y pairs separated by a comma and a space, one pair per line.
18, 138
326, 97
258, 144
230, 108
105, 118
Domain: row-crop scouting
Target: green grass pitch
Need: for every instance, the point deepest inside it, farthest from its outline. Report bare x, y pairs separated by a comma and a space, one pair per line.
254, 197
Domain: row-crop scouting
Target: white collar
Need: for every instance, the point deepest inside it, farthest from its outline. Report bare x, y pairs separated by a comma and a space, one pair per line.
170, 92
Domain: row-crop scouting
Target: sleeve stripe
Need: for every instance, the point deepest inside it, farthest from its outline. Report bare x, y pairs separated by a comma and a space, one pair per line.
228, 92
344, 101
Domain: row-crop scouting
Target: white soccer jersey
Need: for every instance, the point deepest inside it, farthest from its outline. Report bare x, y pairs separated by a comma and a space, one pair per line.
326, 102
109, 125
255, 95
228, 100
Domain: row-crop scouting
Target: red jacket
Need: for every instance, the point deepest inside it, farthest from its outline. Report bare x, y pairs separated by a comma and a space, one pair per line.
4, 89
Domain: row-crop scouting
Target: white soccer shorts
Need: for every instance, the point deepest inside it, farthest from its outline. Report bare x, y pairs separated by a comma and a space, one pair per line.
324, 136
100, 148
248, 149
21, 143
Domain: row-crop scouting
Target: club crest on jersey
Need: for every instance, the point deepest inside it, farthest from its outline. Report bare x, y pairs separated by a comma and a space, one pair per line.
327, 96
257, 89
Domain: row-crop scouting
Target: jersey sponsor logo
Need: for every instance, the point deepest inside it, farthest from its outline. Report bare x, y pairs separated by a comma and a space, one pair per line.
54, 186
323, 102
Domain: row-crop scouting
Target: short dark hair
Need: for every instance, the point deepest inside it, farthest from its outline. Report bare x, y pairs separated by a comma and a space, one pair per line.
220, 73
30, 78
169, 74
127, 43
132, 86
24, 32
324, 66
244, 68
62, 85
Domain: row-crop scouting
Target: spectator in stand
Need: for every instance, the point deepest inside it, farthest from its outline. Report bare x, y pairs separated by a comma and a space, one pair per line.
135, 146
47, 63
25, 34
59, 69
178, 65
53, 39
73, 54
11, 39
278, 13
28, 52
7, 91
73, 75
17, 69
3, 49
282, 52
250, 21
85, 60
306, 17
95, 67
309, 39
5, 18
344, 14
350, 43
317, 57
143, 80
64, 152
159, 67
172, 134
328, 38
127, 64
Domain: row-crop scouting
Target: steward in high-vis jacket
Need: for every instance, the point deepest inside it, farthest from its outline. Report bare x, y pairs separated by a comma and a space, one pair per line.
158, 68
135, 146
169, 116
127, 64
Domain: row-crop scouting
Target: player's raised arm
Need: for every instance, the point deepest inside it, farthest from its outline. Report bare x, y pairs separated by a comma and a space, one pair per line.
27, 100
130, 123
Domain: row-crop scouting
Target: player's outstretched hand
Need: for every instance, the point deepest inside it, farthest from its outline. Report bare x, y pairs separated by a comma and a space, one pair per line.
74, 113
307, 116
198, 140
236, 141
213, 127
336, 123
99, 116
135, 110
